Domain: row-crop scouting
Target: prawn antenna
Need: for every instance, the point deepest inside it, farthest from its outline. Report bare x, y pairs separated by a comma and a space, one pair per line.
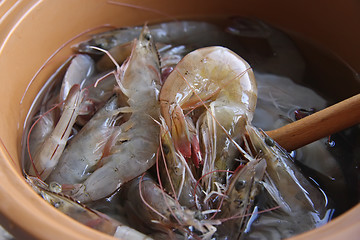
7, 151
143, 8
162, 188
249, 214
167, 171
109, 55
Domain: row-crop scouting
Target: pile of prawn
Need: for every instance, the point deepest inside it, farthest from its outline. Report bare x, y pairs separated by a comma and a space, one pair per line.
168, 129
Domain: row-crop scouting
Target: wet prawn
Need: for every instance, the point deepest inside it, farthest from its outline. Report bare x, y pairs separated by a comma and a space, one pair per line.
52, 194
47, 157
222, 82
176, 175
243, 188
188, 33
302, 205
160, 211
134, 149
84, 151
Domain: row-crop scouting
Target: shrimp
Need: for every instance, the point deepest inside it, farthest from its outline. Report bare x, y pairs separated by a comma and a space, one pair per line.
302, 206
44, 118
175, 33
79, 212
134, 149
176, 172
45, 124
158, 210
48, 155
84, 151
222, 82
240, 196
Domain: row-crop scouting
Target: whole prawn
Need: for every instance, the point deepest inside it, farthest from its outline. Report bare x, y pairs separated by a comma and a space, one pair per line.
222, 82
302, 206
240, 198
176, 175
160, 211
135, 148
47, 157
85, 150
87, 216
175, 33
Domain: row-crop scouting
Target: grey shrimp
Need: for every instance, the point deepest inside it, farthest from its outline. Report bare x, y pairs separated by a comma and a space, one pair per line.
136, 140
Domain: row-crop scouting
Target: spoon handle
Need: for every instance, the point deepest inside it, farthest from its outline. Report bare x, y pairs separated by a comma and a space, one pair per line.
318, 125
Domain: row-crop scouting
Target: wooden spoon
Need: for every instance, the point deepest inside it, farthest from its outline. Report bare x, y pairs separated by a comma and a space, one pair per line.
318, 125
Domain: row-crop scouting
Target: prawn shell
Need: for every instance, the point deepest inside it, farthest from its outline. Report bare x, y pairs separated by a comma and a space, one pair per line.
207, 72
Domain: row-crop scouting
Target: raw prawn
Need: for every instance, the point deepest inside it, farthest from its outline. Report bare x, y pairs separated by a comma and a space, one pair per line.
82, 154
222, 82
43, 126
160, 211
176, 175
89, 217
302, 206
240, 198
175, 33
279, 100
47, 157
45, 119
80, 69
135, 148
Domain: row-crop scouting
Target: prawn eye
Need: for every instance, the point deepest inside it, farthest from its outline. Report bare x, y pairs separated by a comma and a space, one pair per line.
269, 141
102, 43
147, 36
239, 185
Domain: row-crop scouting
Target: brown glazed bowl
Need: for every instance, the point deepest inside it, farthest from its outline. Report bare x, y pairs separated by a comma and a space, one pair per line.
31, 31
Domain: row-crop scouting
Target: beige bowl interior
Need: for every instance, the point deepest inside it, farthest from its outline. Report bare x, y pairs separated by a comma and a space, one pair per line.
31, 31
